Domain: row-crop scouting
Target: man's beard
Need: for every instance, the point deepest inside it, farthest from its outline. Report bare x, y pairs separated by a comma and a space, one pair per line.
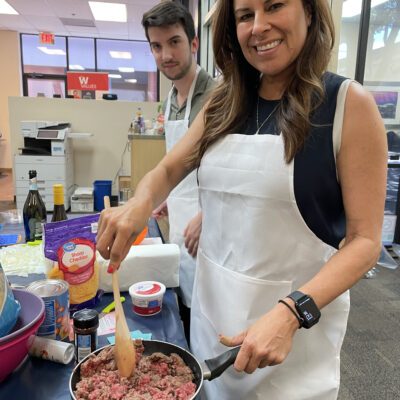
180, 74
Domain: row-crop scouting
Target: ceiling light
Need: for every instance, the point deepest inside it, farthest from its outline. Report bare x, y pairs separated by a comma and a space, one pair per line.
53, 52
5, 8
121, 54
126, 69
108, 11
131, 80
115, 76
76, 67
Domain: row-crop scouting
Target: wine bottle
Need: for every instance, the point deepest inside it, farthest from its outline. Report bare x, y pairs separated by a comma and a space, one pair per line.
34, 211
59, 213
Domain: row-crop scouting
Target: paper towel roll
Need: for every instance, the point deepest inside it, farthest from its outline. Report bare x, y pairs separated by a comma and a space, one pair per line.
53, 350
153, 262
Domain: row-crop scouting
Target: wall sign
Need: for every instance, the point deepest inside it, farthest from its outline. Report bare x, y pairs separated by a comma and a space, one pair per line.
87, 85
87, 81
46, 38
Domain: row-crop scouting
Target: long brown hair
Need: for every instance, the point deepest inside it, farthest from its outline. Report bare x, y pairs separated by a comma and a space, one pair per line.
233, 99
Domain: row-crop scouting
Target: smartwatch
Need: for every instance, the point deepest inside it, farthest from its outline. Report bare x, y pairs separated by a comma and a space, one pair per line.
306, 307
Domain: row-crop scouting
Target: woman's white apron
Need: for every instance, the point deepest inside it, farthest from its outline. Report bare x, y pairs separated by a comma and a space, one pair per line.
256, 249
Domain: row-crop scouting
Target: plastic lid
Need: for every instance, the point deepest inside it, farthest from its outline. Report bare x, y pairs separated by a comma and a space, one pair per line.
32, 174
58, 191
86, 318
147, 289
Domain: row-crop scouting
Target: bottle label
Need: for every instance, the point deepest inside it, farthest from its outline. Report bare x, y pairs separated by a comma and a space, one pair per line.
33, 229
76, 258
83, 345
33, 183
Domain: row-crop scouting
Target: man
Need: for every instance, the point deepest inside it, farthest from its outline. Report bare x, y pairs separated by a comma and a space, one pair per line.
170, 31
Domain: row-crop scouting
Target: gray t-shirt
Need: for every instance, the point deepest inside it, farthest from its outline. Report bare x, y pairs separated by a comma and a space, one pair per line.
204, 84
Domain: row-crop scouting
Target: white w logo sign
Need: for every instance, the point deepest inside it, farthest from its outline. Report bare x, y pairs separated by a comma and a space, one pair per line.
83, 80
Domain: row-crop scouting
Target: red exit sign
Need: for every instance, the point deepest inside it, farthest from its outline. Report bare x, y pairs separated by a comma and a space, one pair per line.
46, 38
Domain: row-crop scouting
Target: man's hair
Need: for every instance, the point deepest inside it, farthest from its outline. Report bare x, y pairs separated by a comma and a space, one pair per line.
169, 13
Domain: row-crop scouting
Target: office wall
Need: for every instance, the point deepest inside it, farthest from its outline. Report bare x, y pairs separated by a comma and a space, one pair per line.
10, 85
96, 157
336, 7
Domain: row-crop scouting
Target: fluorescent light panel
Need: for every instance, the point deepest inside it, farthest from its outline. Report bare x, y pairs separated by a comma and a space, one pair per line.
121, 54
5, 8
53, 52
131, 80
126, 69
114, 12
115, 76
76, 67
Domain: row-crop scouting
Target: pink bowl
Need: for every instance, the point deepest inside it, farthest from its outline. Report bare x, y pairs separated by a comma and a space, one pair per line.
15, 346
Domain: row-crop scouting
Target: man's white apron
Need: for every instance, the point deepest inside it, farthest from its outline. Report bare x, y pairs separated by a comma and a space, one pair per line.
183, 201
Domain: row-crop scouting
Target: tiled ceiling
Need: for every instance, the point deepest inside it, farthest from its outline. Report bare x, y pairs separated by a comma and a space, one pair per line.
48, 15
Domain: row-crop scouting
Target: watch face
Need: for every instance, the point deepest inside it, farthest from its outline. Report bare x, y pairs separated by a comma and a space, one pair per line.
308, 311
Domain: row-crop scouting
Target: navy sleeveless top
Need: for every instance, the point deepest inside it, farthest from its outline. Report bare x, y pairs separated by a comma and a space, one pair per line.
317, 191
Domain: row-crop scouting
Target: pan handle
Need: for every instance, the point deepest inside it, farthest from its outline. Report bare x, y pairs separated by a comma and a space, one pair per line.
220, 363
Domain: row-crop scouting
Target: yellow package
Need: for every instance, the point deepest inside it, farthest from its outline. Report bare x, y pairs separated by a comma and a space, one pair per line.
81, 292
71, 244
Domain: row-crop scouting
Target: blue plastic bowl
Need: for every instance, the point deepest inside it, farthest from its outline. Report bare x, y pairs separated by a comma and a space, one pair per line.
9, 307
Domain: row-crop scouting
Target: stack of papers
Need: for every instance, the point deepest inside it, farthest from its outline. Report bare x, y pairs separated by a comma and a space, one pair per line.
82, 193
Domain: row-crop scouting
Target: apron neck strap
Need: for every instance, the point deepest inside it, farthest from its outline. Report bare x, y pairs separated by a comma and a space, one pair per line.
188, 99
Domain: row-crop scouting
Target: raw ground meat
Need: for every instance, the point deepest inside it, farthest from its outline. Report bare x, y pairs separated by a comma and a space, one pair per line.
156, 377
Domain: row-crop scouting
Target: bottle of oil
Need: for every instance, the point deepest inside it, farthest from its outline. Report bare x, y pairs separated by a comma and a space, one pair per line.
59, 213
34, 211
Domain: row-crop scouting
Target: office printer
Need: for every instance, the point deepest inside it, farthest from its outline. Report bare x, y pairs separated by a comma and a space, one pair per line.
48, 150
47, 138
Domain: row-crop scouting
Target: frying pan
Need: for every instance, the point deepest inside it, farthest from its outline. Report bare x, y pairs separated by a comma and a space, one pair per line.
209, 369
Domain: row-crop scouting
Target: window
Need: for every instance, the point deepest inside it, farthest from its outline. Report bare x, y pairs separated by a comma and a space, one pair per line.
351, 13
369, 51
81, 55
130, 65
132, 69
42, 58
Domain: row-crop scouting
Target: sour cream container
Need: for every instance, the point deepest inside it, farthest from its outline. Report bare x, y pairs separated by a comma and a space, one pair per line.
147, 297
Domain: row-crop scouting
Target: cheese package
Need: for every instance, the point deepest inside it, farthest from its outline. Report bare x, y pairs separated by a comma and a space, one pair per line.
71, 245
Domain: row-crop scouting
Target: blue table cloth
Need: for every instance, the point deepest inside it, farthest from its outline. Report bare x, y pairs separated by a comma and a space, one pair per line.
37, 379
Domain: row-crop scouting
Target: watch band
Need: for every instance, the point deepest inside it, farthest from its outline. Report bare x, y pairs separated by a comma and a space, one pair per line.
296, 296
306, 308
299, 319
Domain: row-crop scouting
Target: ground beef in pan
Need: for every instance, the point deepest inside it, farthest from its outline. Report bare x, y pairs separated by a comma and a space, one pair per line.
156, 377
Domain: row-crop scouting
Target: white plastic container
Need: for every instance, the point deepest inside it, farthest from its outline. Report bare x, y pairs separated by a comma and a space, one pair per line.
147, 297
82, 205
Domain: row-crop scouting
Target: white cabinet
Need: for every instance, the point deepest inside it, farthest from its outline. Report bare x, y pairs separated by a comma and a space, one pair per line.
50, 170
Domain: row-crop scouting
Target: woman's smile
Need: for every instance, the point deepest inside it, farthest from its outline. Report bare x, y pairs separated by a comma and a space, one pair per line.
268, 46
271, 34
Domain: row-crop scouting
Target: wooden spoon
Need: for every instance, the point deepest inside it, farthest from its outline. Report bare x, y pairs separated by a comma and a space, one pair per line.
124, 350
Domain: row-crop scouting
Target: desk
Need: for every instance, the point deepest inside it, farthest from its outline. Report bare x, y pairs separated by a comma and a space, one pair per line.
38, 379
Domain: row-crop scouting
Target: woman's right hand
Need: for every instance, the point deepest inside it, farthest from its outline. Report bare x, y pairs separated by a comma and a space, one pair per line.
118, 227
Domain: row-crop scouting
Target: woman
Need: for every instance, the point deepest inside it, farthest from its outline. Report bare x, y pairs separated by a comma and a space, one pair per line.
287, 156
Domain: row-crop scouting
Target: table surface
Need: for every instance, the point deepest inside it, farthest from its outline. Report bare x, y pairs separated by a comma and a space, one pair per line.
37, 379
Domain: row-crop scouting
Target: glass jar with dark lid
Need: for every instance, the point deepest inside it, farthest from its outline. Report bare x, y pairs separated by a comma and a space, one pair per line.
86, 322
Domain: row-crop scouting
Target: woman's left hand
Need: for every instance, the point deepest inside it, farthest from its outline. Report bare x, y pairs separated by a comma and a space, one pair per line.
265, 343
